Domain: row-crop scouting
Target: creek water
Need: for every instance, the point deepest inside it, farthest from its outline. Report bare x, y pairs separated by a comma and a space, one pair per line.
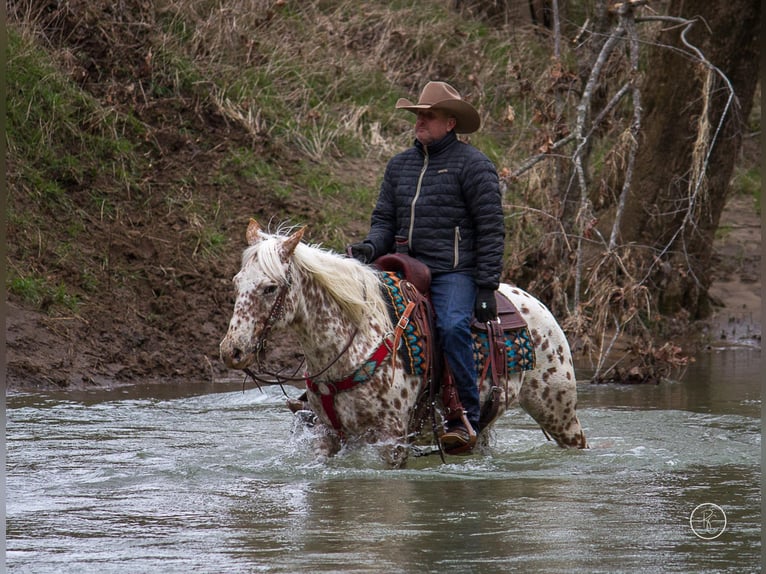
214, 478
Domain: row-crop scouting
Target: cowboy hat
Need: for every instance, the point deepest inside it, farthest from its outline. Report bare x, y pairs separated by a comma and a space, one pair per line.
442, 96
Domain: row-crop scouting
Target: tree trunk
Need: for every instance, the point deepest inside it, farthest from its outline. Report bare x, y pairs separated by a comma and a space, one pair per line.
681, 184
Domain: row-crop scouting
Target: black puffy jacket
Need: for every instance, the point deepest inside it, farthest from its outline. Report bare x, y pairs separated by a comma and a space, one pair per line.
445, 199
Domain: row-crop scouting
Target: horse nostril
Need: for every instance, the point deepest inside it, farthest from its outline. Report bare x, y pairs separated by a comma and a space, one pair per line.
236, 354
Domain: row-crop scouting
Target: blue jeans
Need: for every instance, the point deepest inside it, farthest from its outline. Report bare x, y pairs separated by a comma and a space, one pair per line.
453, 296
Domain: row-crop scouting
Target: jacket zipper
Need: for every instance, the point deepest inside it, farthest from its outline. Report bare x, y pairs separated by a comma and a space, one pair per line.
457, 247
415, 199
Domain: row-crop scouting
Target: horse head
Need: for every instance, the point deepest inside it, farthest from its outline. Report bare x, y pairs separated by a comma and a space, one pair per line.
262, 287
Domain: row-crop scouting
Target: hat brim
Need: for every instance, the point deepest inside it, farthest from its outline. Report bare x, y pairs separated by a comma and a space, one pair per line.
467, 119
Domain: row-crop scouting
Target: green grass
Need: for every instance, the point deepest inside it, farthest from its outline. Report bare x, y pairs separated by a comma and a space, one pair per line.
748, 182
65, 136
41, 293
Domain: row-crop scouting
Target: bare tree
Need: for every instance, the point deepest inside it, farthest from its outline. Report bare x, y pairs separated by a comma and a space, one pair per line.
646, 248
698, 93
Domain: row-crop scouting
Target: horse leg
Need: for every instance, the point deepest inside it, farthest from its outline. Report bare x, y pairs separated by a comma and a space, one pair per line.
324, 443
389, 444
394, 455
551, 399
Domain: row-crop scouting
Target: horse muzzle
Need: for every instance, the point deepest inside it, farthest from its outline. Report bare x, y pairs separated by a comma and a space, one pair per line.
235, 355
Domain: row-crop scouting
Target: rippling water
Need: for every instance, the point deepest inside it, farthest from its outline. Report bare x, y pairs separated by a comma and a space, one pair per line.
214, 479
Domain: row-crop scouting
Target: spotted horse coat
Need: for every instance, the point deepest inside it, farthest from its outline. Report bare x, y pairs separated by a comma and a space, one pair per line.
335, 307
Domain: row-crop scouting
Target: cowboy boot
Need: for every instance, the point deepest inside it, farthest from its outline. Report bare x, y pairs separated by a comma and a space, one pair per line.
459, 439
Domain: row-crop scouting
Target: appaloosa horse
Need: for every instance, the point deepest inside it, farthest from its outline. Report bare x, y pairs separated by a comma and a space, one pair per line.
356, 390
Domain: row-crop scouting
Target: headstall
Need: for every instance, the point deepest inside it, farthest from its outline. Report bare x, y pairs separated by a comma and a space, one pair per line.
276, 312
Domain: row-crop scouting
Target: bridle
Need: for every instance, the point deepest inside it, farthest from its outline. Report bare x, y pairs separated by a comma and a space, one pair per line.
275, 313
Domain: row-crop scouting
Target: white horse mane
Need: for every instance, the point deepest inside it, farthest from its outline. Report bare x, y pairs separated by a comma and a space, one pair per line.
354, 286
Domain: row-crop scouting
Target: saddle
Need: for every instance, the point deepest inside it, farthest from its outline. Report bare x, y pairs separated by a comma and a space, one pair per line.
411, 269
501, 346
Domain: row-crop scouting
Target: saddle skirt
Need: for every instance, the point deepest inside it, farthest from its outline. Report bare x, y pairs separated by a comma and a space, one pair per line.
512, 332
519, 350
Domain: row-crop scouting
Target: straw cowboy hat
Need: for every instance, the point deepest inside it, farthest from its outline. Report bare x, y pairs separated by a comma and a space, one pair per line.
442, 96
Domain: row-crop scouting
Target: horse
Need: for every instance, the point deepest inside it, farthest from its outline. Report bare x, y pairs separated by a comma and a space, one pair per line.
357, 388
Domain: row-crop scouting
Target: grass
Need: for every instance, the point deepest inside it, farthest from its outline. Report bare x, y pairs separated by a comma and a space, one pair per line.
41, 293
64, 135
748, 182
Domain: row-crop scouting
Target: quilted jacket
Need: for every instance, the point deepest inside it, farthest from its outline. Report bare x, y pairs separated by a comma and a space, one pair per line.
445, 199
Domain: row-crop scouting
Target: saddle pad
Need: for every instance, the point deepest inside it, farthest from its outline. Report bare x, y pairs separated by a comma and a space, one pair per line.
411, 350
519, 350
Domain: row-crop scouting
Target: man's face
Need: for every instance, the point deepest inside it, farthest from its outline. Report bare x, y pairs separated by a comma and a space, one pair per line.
432, 125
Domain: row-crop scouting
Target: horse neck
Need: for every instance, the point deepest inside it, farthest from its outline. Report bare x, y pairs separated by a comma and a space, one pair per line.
324, 331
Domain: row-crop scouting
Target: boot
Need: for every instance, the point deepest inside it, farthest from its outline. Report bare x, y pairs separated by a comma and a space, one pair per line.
458, 440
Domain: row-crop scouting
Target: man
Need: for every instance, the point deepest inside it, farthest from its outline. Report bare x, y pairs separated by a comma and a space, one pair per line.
443, 196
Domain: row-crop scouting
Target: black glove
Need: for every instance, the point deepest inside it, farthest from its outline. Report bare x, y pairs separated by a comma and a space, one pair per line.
485, 308
364, 252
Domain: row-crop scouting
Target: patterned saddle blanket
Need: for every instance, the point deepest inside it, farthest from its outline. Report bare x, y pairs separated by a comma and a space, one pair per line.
412, 350
519, 350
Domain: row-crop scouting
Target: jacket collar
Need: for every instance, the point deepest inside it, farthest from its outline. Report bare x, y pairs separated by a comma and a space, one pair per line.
438, 146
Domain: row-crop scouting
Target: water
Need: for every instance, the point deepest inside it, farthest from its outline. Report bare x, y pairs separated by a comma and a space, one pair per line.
213, 479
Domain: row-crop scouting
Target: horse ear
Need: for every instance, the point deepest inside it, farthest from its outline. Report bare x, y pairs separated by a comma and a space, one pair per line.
291, 243
253, 231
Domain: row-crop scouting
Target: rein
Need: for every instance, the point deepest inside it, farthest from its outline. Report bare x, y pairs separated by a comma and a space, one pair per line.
276, 312
279, 379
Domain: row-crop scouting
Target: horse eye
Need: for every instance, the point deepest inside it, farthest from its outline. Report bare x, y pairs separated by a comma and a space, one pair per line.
269, 289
